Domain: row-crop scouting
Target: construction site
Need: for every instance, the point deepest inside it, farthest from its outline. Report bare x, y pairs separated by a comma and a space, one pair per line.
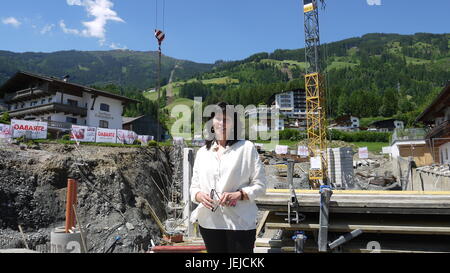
72, 198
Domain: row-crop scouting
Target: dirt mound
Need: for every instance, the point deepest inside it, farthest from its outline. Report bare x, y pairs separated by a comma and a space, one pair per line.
113, 184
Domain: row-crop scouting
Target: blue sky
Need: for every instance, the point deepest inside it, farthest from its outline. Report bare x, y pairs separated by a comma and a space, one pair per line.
204, 30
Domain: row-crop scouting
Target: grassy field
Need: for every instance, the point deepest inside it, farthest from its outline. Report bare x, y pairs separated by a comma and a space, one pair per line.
180, 101
374, 147
291, 64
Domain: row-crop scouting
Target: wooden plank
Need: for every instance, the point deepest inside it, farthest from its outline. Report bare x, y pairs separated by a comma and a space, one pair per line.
362, 201
262, 222
363, 192
415, 211
366, 227
290, 249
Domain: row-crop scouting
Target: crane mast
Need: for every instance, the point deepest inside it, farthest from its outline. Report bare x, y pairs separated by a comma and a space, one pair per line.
315, 97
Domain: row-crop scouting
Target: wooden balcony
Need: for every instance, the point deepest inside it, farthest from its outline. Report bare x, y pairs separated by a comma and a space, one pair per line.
58, 125
26, 94
49, 108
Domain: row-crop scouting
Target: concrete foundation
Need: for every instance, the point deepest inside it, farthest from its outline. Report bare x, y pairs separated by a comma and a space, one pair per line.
61, 242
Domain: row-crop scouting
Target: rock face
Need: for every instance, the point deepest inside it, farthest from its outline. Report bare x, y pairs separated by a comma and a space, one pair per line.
111, 181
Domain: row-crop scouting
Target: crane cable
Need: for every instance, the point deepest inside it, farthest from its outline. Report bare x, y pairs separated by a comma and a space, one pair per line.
163, 14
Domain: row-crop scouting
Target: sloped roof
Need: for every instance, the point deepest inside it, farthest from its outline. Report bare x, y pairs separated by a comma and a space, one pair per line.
437, 107
22, 79
126, 120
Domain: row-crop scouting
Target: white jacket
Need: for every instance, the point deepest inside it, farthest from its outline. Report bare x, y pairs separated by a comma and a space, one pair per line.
239, 168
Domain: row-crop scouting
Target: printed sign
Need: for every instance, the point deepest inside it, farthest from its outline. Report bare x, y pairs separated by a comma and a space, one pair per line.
143, 139
316, 163
29, 129
178, 141
281, 149
5, 131
303, 151
106, 135
363, 153
198, 141
386, 150
126, 137
83, 133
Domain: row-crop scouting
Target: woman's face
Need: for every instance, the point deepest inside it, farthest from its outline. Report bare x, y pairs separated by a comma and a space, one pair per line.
222, 126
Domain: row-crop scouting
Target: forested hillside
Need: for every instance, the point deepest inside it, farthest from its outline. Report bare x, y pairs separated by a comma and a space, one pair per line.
376, 75
120, 67
386, 75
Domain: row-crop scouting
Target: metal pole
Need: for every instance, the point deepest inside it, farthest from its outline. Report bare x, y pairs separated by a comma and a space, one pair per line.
158, 136
299, 240
325, 196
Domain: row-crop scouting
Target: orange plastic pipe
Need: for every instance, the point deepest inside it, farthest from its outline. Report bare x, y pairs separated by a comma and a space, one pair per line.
70, 201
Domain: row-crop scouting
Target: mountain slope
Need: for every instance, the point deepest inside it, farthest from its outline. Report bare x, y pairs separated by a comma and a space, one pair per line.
128, 68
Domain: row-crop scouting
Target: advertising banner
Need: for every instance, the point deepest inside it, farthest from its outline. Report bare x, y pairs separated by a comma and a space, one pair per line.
144, 139
281, 149
126, 137
5, 131
303, 151
316, 163
106, 135
386, 150
83, 133
198, 141
178, 141
29, 129
363, 153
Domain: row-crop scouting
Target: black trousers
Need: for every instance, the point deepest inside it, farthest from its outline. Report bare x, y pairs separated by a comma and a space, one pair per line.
228, 241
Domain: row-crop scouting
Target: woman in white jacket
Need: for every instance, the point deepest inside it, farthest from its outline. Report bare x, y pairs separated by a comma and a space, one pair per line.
227, 178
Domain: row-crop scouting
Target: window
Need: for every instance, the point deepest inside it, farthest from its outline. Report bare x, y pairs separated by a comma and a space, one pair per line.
72, 103
71, 120
43, 101
50, 99
104, 107
49, 118
103, 124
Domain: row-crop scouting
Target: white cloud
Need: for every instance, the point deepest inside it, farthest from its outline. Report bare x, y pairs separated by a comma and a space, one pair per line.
63, 26
11, 21
374, 2
117, 46
47, 28
101, 11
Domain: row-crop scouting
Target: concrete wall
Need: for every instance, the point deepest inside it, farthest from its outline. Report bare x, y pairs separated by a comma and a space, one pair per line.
429, 182
444, 153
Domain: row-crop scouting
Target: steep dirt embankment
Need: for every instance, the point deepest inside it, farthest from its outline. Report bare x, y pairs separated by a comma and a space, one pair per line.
115, 187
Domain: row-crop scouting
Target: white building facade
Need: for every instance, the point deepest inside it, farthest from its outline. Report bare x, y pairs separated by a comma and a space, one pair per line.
292, 105
62, 104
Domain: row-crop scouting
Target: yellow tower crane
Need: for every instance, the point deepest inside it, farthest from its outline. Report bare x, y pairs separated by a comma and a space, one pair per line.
315, 96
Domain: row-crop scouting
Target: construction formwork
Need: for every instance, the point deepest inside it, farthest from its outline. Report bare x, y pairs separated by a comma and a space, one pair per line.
340, 166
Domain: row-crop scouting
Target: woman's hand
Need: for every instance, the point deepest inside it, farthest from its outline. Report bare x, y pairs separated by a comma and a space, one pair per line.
230, 199
204, 198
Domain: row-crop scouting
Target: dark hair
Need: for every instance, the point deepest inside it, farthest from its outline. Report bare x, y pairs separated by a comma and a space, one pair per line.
223, 106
